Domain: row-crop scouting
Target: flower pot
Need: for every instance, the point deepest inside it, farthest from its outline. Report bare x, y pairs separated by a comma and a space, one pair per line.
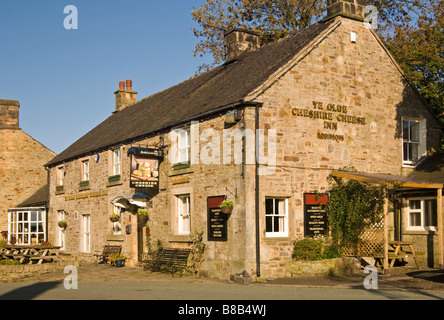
142, 219
226, 210
120, 263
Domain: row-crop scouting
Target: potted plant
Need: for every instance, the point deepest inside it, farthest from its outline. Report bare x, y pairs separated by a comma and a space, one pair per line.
114, 217
142, 216
118, 260
226, 206
62, 224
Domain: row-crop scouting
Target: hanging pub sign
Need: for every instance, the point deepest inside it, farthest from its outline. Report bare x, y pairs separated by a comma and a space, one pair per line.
315, 215
145, 167
217, 221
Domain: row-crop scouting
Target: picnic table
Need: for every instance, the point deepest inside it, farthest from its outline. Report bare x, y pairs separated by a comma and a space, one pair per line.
30, 253
397, 252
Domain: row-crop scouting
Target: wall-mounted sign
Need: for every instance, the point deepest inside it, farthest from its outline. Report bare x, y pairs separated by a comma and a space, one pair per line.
217, 221
145, 167
315, 215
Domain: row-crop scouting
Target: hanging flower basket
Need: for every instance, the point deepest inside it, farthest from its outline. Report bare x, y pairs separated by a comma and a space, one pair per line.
142, 216
62, 224
226, 207
114, 218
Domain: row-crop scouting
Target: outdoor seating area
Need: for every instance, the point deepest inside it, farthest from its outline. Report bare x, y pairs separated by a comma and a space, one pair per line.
107, 252
171, 259
30, 254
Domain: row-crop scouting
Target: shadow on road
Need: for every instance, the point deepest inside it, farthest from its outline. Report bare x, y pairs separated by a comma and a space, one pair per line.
29, 292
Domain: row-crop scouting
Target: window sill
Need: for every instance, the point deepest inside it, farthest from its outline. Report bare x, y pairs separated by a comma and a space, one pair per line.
179, 166
114, 183
85, 188
179, 238
60, 191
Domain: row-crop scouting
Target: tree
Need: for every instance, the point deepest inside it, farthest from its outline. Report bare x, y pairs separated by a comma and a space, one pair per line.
277, 18
419, 50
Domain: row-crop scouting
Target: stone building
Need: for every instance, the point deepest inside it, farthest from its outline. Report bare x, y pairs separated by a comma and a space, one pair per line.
326, 97
24, 180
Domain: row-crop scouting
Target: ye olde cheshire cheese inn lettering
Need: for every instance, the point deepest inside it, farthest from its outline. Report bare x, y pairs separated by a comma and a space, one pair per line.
329, 114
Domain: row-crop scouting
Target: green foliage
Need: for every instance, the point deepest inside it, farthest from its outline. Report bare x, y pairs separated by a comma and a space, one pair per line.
352, 207
197, 251
226, 203
311, 249
9, 262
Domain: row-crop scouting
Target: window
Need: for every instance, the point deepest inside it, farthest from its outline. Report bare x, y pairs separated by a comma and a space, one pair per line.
184, 214
60, 176
414, 140
116, 162
86, 233
117, 227
181, 151
276, 217
422, 214
85, 170
27, 227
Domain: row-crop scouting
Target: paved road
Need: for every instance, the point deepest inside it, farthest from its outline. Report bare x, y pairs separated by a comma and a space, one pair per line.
169, 290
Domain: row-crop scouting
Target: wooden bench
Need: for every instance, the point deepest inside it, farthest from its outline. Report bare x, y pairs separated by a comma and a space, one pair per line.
172, 259
108, 251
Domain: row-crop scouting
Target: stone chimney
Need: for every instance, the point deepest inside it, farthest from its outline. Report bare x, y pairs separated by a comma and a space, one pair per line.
353, 9
9, 114
238, 41
124, 97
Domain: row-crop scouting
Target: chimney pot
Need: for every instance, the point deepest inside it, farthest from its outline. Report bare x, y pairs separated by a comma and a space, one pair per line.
121, 85
129, 85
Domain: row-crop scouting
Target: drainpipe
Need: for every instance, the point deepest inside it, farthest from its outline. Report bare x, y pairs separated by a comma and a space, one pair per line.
257, 218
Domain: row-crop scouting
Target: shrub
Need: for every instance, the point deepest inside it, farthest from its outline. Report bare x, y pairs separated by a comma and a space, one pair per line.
311, 249
307, 249
9, 262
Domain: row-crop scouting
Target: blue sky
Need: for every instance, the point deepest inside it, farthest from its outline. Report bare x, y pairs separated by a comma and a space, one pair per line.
65, 79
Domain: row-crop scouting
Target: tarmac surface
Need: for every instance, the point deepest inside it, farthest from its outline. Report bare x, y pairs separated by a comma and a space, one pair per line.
400, 278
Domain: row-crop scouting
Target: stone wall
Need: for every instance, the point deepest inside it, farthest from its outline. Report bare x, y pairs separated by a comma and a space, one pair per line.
22, 171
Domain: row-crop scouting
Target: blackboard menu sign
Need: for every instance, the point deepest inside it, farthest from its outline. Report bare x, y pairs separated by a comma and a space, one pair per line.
217, 221
315, 214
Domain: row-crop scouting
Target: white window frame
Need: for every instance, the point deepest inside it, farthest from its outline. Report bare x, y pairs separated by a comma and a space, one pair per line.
181, 148
184, 214
117, 161
422, 214
60, 175
86, 230
282, 218
85, 170
421, 143
21, 225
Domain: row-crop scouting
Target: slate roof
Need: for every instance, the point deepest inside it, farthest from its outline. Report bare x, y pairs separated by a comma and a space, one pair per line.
431, 169
212, 91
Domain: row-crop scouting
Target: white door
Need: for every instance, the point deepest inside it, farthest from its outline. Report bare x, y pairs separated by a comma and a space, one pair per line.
87, 233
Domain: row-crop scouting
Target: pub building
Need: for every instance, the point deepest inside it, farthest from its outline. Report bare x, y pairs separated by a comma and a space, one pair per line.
326, 97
